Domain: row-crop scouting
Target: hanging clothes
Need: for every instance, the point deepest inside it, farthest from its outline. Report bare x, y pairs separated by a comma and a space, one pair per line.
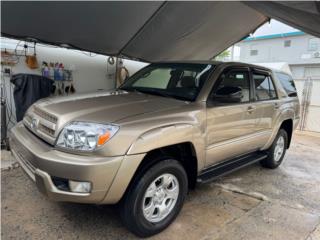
29, 88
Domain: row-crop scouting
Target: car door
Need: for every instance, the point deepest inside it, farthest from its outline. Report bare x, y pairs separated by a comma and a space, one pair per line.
231, 123
266, 103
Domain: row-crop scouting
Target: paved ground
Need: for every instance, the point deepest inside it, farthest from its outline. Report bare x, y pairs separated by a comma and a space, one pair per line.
254, 203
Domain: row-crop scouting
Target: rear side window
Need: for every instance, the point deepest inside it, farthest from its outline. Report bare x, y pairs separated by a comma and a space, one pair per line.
287, 83
264, 88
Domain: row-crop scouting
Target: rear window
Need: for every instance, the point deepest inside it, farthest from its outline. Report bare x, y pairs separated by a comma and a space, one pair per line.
287, 83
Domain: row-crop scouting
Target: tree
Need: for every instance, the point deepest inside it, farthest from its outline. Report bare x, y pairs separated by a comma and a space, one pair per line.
222, 56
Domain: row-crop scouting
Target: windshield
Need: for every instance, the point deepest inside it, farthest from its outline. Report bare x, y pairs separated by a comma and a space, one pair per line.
180, 81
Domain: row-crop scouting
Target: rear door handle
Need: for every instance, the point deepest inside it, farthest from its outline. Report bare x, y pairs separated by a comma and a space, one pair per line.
251, 109
276, 106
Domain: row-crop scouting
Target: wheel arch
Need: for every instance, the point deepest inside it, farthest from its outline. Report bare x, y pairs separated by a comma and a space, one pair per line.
287, 125
170, 135
183, 152
181, 141
285, 120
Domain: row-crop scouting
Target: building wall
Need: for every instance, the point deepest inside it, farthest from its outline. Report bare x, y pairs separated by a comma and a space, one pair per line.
297, 71
273, 50
91, 72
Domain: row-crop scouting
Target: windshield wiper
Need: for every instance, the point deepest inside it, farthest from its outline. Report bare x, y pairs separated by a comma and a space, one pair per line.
155, 92
164, 94
131, 90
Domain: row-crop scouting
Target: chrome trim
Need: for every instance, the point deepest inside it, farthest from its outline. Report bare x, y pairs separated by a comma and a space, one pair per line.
41, 123
45, 115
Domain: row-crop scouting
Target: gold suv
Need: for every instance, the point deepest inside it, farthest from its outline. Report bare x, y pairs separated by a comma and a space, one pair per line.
169, 126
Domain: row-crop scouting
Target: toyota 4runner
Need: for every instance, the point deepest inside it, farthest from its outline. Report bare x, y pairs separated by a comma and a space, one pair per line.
169, 126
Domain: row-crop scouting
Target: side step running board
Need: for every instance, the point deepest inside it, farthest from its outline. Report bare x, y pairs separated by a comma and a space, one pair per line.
227, 167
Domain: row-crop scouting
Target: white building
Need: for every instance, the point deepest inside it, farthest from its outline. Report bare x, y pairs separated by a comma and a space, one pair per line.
302, 53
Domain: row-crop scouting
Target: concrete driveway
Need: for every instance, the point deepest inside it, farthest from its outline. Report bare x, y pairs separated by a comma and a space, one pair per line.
253, 203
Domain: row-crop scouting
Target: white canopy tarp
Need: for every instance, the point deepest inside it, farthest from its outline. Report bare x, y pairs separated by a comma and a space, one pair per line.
148, 31
304, 15
281, 66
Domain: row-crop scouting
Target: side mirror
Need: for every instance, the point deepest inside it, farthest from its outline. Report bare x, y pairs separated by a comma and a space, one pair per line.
228, 95
292, 94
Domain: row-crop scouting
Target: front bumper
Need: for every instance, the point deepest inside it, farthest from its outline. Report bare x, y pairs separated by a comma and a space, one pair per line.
42, 162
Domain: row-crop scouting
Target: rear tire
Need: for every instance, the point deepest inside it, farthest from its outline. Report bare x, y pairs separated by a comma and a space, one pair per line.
155, 198
277, 151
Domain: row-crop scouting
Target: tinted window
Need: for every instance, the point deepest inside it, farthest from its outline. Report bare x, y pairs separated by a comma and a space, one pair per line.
156, 78
181, 81
287, 83
234, 79
264, 88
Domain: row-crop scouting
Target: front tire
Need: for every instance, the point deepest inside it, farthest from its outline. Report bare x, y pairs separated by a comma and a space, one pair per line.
155, 198
277, 151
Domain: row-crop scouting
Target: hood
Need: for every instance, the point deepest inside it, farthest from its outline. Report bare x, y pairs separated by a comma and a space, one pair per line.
105, 107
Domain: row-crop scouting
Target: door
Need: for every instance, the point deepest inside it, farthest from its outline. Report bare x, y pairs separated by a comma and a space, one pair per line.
231, 116
266, 104
312, 111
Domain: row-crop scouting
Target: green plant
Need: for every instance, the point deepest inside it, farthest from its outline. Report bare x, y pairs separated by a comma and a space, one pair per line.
222, 55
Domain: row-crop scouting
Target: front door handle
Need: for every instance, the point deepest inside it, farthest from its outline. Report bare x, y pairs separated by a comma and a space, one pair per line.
251, 109
276, 106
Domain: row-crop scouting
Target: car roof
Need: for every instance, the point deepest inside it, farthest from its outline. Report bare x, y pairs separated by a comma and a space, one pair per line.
189, 62
216, 63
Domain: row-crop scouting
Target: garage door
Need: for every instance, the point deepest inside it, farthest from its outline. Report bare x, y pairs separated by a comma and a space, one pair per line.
309, 94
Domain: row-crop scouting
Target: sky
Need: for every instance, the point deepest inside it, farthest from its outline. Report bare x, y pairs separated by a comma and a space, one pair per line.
274, 27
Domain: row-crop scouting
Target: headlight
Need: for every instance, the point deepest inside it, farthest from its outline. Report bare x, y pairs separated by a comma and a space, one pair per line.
85, 136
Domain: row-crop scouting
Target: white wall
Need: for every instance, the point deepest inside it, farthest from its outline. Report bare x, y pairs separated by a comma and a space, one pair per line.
297, 71
273, 50
90, 71
133, 66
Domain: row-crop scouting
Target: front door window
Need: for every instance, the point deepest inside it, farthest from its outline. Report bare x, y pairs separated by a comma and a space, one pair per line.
233, 87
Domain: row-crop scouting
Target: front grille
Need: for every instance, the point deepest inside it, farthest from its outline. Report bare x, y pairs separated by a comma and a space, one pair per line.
23, 154
47, 116
28, 118
46, 130
41, 123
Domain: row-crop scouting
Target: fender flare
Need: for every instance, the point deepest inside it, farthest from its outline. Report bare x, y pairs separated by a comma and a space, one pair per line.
288, 114
168, 135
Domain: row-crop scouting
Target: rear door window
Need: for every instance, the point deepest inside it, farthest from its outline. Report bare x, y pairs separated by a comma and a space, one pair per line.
264, 87
287, 83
